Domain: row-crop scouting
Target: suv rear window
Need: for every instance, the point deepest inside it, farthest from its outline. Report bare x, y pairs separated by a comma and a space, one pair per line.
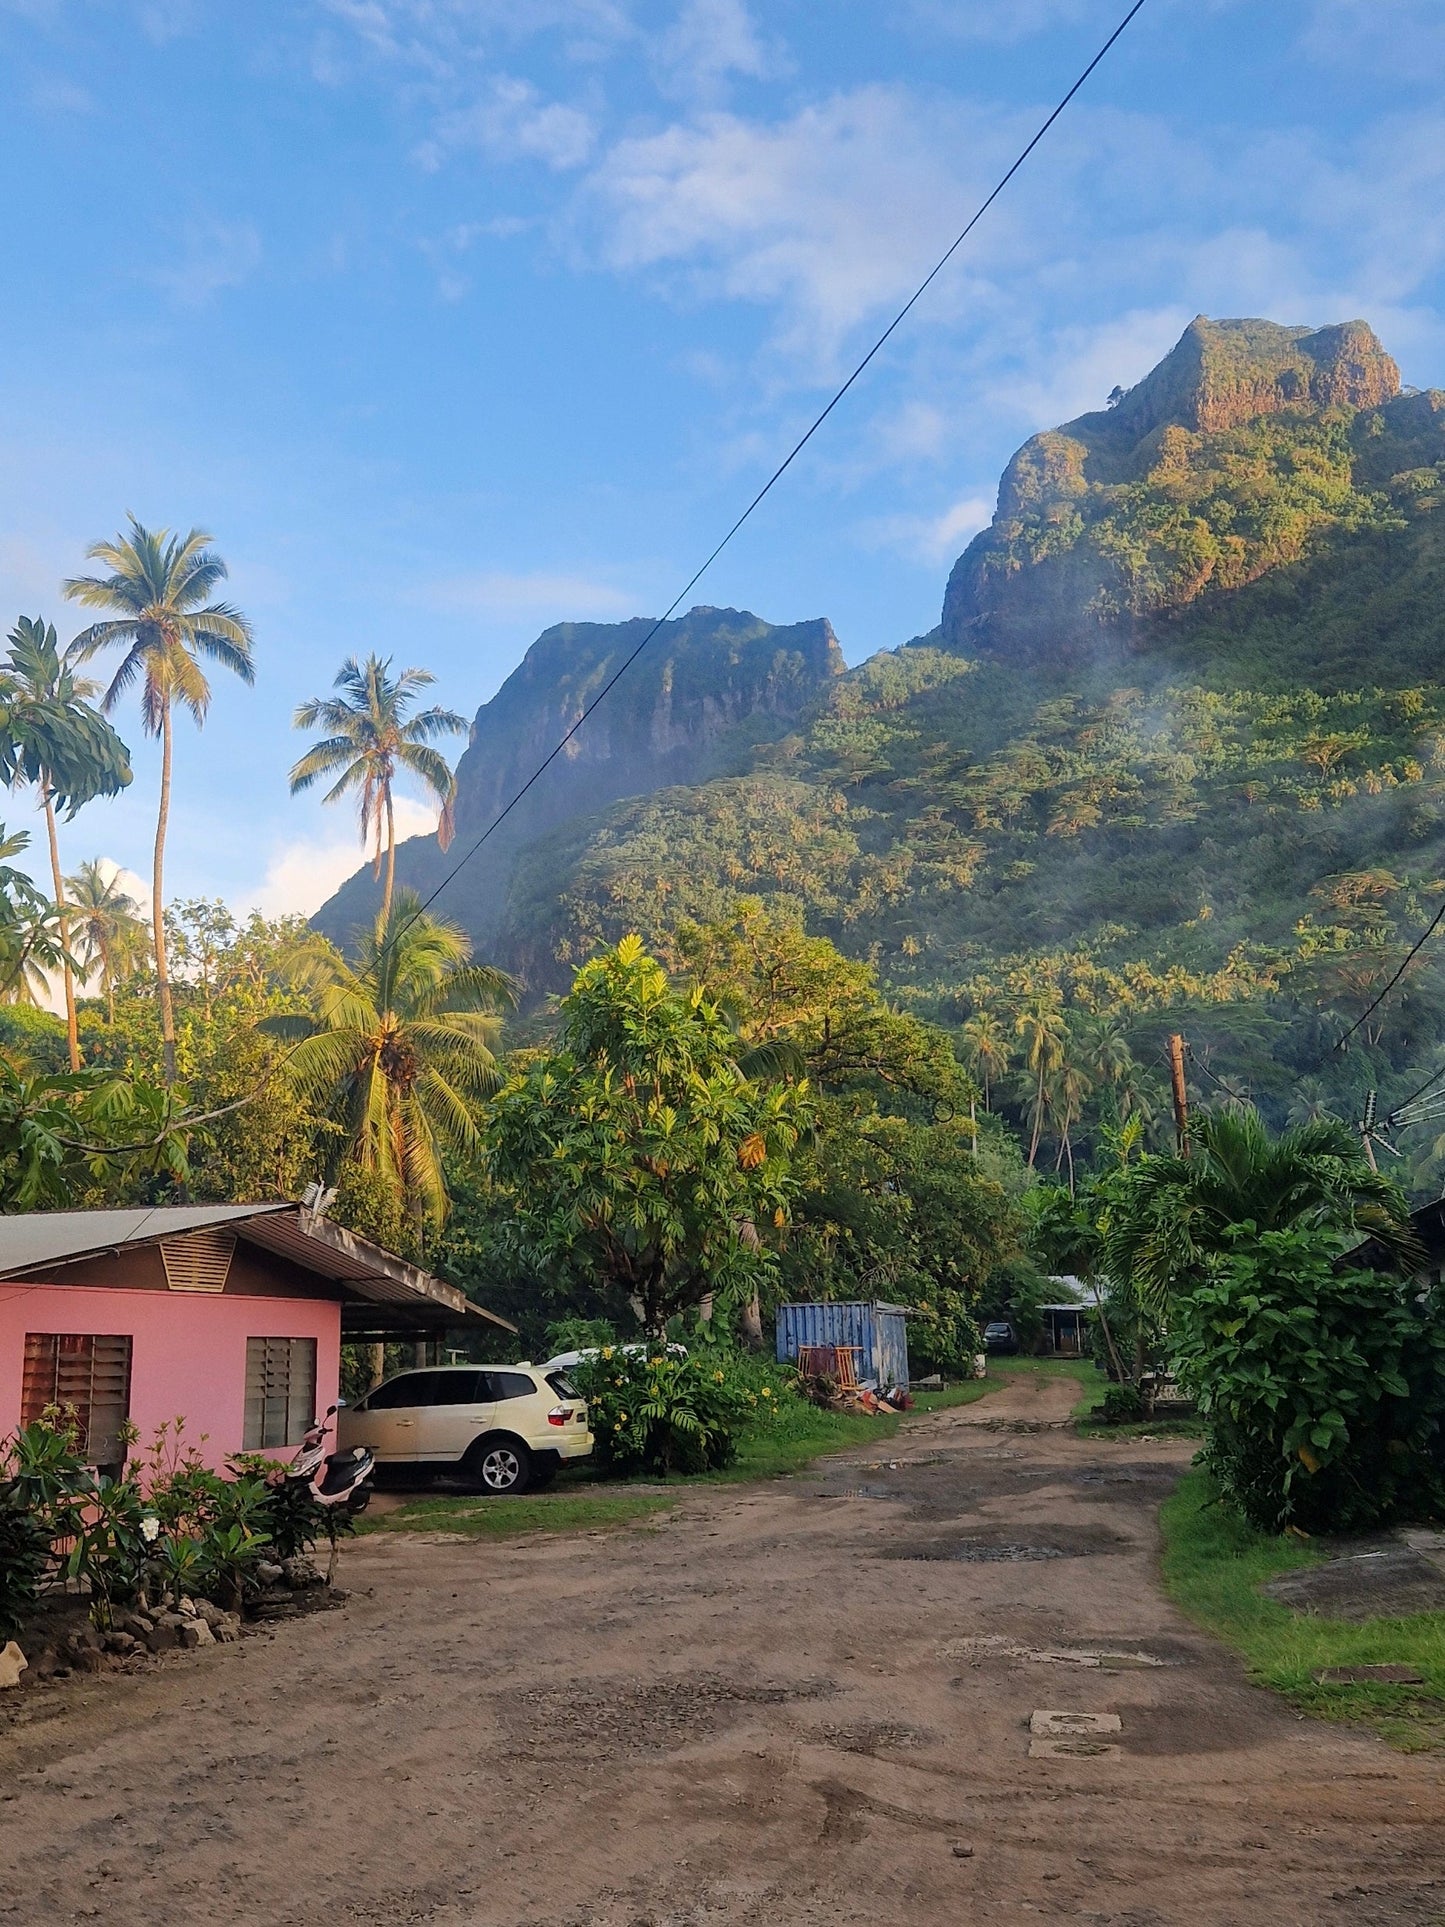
512, 1385
562, 1385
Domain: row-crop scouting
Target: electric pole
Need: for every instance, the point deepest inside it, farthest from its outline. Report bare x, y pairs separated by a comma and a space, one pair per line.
1181, 1094
1367, 1131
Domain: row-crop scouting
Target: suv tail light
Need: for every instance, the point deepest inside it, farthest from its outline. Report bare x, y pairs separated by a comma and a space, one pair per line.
559, 1415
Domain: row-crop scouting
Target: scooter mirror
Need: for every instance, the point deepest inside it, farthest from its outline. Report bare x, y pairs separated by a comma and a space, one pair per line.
331, 1410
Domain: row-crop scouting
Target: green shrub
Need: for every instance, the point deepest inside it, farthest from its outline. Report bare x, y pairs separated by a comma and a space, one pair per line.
24, 1560
943, 1335
1122, 1405
1322, 1389
653, 1412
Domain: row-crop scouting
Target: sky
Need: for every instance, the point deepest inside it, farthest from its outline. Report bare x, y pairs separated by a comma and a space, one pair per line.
452, 319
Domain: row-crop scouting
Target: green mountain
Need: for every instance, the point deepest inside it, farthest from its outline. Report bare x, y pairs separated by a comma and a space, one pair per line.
1175, 752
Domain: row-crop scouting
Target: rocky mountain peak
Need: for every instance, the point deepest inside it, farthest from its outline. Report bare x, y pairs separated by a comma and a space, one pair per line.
1225, 461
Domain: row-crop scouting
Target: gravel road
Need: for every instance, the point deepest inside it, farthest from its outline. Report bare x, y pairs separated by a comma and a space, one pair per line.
801, 1702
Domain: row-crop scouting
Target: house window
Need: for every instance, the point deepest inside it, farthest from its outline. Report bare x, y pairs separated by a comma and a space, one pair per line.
280, 1391
88, 1378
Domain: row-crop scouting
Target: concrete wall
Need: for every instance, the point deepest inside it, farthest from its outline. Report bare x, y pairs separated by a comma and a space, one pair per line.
188, 1351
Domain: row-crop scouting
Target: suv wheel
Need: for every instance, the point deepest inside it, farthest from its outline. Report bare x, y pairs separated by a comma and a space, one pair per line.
500, 1466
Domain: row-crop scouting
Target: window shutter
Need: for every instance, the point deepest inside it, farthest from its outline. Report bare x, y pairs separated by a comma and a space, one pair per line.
88, 1378
280, 1391
200, 1261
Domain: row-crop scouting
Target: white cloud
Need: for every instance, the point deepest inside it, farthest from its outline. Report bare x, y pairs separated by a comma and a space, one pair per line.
53, 94
303, 872
933, 539
826, 215
214, 255
709, 41
1084, 365
513, 122
1405, 39
555, 598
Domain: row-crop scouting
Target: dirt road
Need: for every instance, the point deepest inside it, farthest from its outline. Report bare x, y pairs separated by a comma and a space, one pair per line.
793, 1703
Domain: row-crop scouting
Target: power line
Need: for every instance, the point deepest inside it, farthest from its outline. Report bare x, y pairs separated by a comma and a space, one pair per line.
1415, 949
776, 475
1200, 1065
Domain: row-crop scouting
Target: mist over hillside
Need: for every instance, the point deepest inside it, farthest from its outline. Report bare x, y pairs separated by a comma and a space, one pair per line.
1177, 747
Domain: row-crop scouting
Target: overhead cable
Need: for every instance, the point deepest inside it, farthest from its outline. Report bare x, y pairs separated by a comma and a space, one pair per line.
776, 475
1415, 949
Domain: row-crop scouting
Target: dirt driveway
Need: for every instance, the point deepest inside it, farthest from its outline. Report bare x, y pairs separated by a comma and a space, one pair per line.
799, 1702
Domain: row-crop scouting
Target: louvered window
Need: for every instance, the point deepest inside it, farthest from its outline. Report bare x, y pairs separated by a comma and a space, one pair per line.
198, 1262
88, 1379
280, 1391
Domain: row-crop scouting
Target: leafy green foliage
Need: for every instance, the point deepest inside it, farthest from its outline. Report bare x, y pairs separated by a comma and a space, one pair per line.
1322, 1386
636, 1155
371, 737
653, 1412
395, 1052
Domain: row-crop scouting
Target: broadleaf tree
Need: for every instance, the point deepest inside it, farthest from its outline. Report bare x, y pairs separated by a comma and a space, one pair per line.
637, 1155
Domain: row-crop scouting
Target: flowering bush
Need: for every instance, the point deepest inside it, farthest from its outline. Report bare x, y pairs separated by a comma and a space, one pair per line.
653, 1412
170, 1525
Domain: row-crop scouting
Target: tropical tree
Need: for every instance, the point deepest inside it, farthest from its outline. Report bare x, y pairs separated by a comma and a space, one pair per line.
54, 739
1041, 1026
30, 941
110, 931
636, 1156
1177, 1213
370, 738
396, 1054
159, 588
986, 1046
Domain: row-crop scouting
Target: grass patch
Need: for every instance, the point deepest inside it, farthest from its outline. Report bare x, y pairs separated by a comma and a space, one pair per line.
583, 1509
1213, 1564
585, 1503
801, 1433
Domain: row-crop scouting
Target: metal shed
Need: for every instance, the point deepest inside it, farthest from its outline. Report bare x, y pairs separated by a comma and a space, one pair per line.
877, 1333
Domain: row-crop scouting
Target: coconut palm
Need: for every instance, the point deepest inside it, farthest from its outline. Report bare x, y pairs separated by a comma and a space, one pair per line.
54, 739
159, 590
986, 1045
370, 739
1180, 1211
1041, 1025
110, 931
397, 1051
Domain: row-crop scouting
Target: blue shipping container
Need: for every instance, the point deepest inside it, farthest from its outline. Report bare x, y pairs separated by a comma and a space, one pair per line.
877, 1331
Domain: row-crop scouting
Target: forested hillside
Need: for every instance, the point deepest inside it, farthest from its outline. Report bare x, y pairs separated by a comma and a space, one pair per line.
1175, 754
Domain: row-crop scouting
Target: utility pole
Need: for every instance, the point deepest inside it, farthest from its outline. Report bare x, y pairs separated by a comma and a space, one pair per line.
1367, 1131
1181, 1094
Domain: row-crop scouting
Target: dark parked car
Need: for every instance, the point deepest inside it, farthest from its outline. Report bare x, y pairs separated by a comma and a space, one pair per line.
1000, 1336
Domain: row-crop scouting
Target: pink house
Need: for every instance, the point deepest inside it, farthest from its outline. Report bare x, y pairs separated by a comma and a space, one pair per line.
230, 1316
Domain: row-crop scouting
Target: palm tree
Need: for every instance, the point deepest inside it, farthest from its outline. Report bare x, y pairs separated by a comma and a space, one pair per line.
1180, 1211
51, 737
398, 1050
1041, 1025
370, 739
110, 930
987, 1047
160, 587
30, 942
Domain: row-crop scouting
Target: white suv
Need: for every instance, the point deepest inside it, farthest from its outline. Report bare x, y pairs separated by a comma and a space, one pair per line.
508, 1427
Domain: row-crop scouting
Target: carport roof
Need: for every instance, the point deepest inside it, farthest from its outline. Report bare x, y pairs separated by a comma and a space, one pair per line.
381, 1295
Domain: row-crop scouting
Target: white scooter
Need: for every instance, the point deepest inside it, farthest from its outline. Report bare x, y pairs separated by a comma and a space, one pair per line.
345, 1479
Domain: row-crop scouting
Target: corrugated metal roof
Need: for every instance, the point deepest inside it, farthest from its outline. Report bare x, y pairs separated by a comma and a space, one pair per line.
61, 1237
37, 1240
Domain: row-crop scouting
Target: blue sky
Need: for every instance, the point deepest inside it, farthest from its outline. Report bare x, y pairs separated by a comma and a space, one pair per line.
455, 318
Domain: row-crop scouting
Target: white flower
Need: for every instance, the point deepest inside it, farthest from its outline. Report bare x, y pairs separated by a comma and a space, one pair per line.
150, 1528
